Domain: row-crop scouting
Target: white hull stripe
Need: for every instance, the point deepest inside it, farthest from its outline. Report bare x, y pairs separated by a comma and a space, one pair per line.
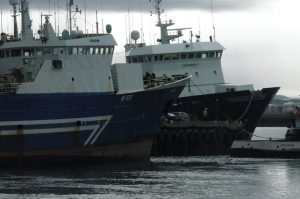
99, 133
96, 133
55, 121
48, 131
92, 135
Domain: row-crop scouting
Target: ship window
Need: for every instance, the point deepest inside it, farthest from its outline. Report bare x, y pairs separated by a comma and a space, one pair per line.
84, 51
219, 54
28, 52
16, 52
161, 57
55, 51
215, 72
2, 54
183, 56
47, 51
100, 51
197, 74
204, 55
199, 55
211, 54
75, 51
80, 51
92, 51
167, 57
175, 56
7, 53
96, 51
29, 62
148, 58
39, 52
191, 55
230, 90
140, 59
156, 58
109, 50
104, 51
134, 60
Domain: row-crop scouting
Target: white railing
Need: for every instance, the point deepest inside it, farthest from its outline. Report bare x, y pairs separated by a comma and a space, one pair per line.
9, 88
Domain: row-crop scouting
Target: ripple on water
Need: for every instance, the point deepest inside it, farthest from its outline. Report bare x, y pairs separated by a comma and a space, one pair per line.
169, 177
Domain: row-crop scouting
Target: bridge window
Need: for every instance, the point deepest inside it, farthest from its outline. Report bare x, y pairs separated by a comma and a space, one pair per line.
2, 54
167, 57
28, 52
104, 51
211, 54
55, 51
191, 55
38, 52
184, 56
134, 60
16, 52
80, 51
219, 54
198, 55
175, 56
140, 59
204, 55
29, 62
230, 90
91, 51
110, 50
148, 58
47, 51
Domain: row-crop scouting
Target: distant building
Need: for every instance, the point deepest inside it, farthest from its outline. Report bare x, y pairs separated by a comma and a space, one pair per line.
289, 107
272, 108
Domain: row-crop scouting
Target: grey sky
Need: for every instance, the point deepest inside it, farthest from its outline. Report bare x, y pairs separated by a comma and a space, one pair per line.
122, 5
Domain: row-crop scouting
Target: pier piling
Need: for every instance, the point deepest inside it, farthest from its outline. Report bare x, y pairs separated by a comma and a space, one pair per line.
197, 138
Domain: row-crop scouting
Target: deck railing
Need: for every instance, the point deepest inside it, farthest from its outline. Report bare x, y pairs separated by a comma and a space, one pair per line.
160, 81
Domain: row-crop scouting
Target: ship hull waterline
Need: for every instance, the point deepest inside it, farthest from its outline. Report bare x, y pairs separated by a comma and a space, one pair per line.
245, 106
87, 126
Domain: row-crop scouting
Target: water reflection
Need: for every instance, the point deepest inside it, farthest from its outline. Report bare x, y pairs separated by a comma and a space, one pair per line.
197, 177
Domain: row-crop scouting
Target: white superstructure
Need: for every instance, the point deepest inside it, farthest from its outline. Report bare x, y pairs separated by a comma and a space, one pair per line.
53, 64
72, 63
201, 60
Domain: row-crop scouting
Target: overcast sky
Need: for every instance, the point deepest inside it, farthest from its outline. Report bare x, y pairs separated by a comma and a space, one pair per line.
122, 5
261, 37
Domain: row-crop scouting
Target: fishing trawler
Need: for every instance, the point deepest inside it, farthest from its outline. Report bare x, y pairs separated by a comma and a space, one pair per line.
61, 100
289, 147
207, 96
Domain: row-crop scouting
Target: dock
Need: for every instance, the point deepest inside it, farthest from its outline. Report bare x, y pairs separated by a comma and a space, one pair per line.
197, 138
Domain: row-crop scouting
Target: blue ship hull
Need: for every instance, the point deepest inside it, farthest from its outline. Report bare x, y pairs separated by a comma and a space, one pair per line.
87, 125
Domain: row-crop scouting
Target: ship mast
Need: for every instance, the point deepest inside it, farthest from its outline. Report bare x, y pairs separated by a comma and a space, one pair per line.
26, 22
14, 3
165, 37
71, 3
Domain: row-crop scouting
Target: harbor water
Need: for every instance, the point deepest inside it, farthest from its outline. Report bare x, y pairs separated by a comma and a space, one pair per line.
164, 177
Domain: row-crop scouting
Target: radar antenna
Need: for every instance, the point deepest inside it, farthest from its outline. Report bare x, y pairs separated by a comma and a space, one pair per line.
164, 32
